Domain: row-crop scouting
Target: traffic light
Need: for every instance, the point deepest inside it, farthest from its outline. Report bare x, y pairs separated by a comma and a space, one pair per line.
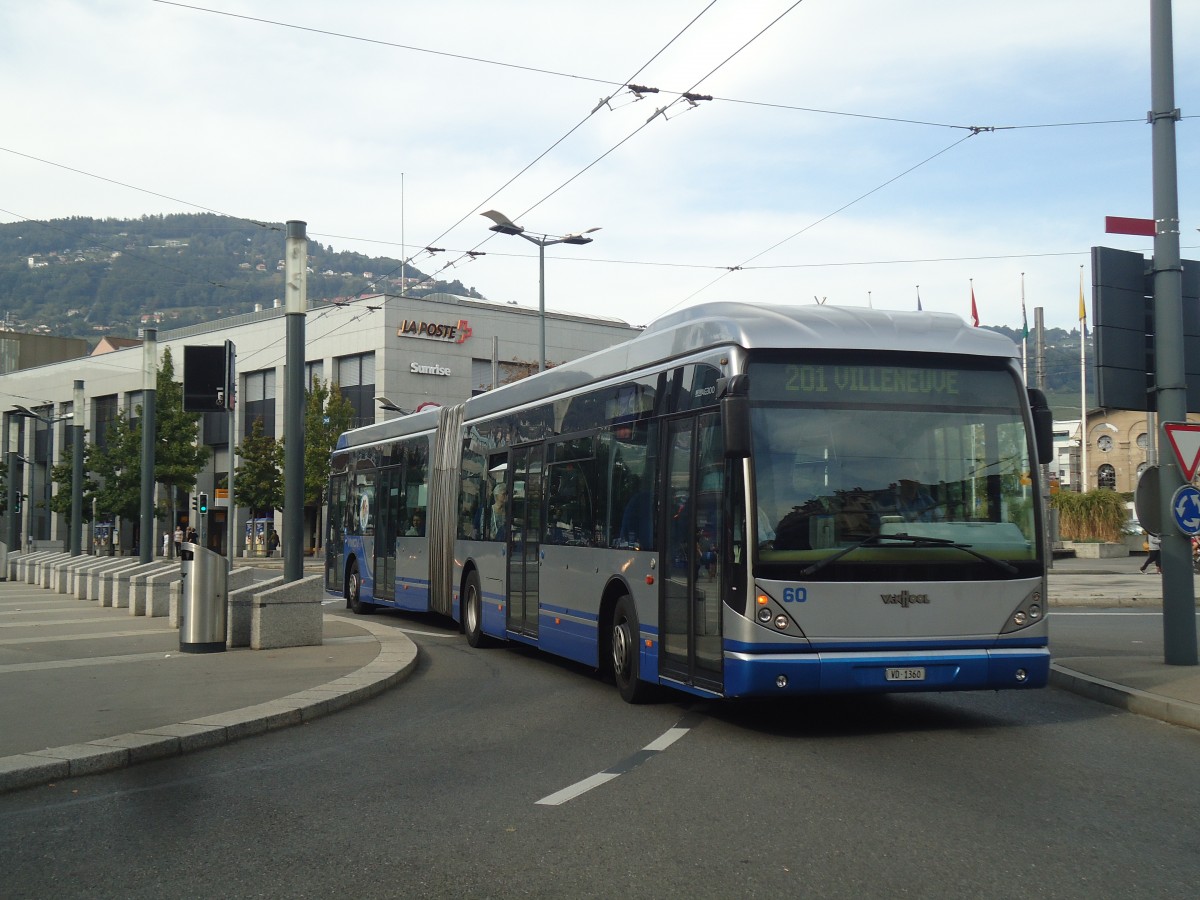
204, 504
17, 502
193, 503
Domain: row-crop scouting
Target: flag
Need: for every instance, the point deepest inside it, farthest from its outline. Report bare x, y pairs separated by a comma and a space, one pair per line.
974, 308
918, 298
1024, 320
1082, 308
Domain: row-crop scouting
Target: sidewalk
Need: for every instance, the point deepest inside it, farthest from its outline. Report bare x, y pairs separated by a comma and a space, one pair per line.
1118, 676
88, 688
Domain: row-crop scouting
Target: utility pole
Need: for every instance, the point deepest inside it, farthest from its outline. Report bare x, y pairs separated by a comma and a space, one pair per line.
149, 426
1179, 605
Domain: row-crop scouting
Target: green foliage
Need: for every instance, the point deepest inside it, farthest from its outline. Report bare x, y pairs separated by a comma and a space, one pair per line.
63, 475
1098, 515
326, 415
178, 455
258, 481
189, 267
119, 468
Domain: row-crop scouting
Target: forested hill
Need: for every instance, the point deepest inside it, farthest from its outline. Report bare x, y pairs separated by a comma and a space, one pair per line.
83, 277
1062, 369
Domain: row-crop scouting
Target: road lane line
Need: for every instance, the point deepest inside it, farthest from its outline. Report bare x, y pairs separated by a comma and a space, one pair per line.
631, 762
83, 663
569, 793
93, 635
91, 620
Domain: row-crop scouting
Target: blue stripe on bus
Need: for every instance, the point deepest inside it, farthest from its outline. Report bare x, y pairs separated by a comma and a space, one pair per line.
903, 646
547, 609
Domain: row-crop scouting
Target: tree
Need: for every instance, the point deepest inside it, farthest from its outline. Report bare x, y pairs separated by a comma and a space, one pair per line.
178, 456
64, 476
118, 464
258, 481
327, 414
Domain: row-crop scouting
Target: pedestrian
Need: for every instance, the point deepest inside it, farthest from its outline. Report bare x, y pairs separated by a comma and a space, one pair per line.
178, 539
166, 550
1154, 542
272, 542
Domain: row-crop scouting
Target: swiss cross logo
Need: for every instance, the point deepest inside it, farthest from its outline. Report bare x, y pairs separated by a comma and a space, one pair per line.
464, 331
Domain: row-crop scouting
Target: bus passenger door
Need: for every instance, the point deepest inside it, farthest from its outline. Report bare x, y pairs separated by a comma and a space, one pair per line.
388, 506
690, 614
524, 538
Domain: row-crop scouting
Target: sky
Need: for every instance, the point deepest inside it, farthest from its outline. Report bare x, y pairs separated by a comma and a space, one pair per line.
835, 161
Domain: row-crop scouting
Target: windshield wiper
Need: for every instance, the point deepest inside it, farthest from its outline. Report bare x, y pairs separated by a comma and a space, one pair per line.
911, 540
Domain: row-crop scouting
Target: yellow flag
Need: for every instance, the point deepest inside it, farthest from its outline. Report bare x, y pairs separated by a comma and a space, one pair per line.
1082, 306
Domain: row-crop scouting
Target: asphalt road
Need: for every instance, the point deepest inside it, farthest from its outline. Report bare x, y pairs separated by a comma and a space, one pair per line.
505, 773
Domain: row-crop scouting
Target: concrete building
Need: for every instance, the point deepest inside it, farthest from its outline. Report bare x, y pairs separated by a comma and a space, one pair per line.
1118, 448
388, 355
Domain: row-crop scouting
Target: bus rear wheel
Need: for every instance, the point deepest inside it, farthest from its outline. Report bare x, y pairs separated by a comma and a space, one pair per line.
472, 612
625, 639
354, 592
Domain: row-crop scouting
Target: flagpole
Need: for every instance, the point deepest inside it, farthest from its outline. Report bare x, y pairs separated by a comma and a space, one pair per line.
1083, 437
1024, 335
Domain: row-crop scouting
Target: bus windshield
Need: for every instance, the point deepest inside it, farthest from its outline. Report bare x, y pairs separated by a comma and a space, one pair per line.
909, 465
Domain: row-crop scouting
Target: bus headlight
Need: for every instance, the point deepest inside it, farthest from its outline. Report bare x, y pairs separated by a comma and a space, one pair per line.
1028, 612
781, 622
764, 615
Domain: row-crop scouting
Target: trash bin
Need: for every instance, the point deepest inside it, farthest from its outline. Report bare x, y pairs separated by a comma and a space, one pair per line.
203, 590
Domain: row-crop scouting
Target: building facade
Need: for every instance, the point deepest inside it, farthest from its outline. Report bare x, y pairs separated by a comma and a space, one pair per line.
388, 355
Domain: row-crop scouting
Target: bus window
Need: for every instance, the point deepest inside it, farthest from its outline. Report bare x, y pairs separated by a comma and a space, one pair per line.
472, 500
630, 485
416, 487
494, 517
571, 518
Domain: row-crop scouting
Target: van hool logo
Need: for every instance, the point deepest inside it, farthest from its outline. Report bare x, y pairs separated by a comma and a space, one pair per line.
438, 331
904, 598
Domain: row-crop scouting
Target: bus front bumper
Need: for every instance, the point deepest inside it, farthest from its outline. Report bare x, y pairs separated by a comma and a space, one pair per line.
774, 675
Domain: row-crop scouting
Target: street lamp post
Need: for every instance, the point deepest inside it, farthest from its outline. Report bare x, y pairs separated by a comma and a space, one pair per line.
504, 225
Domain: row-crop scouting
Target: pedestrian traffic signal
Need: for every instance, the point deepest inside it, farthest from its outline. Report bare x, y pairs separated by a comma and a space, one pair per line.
193, 503
204, 504
17, 502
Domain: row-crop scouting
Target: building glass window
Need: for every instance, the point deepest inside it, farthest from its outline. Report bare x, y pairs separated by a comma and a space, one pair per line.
356, 380
104, 409
1106, 477
313, 374
259, 390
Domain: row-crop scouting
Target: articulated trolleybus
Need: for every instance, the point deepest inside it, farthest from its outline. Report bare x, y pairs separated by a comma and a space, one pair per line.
743, 501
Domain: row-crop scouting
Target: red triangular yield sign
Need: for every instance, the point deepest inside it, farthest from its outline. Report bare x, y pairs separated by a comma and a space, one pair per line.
1185, 441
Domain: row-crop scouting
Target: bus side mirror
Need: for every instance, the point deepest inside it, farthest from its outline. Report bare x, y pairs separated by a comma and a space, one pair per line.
1043, 426
735, 415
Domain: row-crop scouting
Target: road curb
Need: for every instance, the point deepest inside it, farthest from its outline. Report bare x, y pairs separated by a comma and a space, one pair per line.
396, 659
1156, 706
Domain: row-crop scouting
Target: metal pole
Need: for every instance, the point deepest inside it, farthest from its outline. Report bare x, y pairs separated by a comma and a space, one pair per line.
541, 306
77, 471
149, 428
1179, 605
230, 507
12, 533
296, 265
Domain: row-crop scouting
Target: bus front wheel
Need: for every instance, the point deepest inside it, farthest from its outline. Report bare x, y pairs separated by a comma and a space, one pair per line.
472, 612
625, 638
354, 592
